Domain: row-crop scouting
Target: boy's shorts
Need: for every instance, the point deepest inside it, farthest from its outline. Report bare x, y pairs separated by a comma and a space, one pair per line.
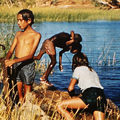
95, 99
25, 72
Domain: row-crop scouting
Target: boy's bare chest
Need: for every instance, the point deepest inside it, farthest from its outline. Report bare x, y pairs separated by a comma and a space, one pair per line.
25, 40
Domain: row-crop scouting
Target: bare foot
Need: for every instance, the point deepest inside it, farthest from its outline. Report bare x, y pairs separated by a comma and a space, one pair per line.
46, 82
61, 68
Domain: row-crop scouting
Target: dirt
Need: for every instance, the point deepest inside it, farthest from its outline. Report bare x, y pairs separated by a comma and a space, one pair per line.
68, 4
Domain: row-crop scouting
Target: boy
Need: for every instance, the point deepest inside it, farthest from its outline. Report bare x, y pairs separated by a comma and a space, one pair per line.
24, 44
62, 40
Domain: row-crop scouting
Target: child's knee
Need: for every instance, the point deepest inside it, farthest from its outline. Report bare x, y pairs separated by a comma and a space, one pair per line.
59, 106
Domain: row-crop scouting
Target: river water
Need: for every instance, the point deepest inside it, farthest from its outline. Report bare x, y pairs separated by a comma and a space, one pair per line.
100, 42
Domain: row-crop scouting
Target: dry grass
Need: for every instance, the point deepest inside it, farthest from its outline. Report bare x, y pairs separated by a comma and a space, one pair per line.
41, 103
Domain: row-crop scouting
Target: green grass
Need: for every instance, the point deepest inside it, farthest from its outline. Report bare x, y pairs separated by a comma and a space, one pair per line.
75, 15
62, 14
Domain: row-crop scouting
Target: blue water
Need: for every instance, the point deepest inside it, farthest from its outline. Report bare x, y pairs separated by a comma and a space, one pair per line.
101, 41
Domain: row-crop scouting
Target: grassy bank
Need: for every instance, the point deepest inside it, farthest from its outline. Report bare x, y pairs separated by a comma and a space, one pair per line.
41, 104
62, 14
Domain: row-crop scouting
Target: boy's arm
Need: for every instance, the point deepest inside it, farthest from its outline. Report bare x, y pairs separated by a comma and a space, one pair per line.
12, 48
71, 86
38, 56
30, 56
72, 39
60, 59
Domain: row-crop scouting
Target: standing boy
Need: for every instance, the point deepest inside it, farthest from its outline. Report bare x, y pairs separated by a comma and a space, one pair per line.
24, 44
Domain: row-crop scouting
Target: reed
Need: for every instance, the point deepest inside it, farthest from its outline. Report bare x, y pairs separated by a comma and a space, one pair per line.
74, 15
61, 14
6, 36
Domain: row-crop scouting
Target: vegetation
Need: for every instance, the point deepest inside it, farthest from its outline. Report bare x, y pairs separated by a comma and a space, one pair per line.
58, 10
62, 14
74, 15
41, 104
6, 36
32, 3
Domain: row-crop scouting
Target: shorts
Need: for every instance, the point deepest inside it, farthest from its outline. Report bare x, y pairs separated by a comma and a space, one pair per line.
25, 72
48, 47
95, 99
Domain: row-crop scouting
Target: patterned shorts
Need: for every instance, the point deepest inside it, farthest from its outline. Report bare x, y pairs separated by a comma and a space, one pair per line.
25, 72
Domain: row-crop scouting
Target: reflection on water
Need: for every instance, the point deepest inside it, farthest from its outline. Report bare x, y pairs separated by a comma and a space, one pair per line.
101, 45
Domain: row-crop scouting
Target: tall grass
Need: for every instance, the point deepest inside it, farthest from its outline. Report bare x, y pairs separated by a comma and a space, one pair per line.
62, 14
6, 36
74, 15
31, 109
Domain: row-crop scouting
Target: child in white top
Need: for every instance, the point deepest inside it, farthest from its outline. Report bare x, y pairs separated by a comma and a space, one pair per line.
93, 97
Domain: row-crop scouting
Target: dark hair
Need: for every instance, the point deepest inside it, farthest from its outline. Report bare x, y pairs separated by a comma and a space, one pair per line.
76, 46
77, 37
26, 14
80, 59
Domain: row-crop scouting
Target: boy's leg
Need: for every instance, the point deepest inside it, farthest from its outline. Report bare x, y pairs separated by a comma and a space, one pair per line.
49, 69
27, 88
19, 86
73, 103
49, 48
97, 115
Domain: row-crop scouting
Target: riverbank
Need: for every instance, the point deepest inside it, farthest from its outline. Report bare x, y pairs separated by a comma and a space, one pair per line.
41, 103
66, 13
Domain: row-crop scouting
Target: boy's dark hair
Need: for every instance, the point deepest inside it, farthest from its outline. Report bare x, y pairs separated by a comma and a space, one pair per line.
26, 14
77, 37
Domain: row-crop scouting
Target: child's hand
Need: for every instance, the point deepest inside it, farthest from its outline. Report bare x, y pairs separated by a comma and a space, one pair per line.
9, 63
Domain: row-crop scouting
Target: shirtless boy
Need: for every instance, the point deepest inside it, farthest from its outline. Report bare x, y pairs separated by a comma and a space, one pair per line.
24, 44
62, 40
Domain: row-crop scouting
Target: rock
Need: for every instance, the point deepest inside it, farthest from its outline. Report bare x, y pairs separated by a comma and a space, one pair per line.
48, 99
30, 110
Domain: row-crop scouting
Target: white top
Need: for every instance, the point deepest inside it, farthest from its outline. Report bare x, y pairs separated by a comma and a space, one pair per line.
86, 78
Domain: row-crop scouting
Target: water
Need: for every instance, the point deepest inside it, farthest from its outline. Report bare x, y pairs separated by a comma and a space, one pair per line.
101, 41
101, 45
